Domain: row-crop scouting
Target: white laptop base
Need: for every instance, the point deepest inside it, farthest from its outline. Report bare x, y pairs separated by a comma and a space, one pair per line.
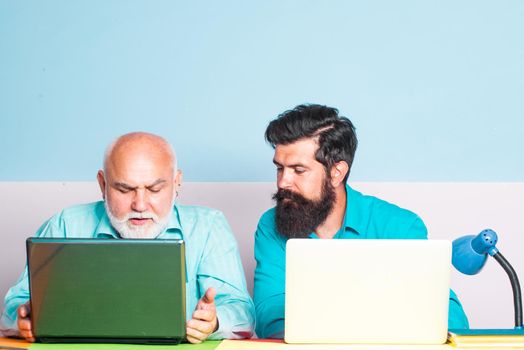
367, 291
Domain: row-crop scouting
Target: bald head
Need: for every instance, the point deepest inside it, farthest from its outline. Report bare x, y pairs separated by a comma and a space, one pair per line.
138, 144
139, 183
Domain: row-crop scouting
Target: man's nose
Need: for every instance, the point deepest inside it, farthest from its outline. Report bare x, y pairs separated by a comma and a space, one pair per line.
139, 201
285, 179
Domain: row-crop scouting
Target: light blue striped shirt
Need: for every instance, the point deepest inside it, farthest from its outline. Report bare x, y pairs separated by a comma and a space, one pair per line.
212, 260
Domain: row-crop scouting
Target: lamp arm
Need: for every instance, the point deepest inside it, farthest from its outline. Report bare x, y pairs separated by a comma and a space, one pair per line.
515, 285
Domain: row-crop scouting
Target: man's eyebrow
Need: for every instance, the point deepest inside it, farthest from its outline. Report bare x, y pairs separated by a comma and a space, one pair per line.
157, 182
298, 165
295, 165
131, 188
124, 186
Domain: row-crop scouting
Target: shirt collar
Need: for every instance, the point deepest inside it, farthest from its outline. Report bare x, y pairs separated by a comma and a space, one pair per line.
174, 224
106, 230
356, 217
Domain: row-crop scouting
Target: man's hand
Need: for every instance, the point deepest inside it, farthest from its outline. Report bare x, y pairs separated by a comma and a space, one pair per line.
24, 322
204, 321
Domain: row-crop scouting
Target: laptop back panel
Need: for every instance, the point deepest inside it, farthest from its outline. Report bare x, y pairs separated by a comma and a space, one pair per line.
93, 290
367, 291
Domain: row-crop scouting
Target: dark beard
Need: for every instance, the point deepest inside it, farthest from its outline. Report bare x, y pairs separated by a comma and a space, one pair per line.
298, 217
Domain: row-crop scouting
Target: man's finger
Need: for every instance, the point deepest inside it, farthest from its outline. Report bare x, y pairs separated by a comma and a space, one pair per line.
195, 335
22, 313
204, 315
209, 297
193, 340
24, 325
28, 335
205, 328
24, 322
23, 310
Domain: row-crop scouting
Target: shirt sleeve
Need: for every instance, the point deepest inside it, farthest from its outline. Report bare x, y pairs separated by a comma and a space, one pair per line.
19, 293
269, 288
457, 318
16, 296
418, 229
221, 268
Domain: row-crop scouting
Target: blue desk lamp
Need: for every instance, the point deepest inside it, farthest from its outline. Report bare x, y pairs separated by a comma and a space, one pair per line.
470, 254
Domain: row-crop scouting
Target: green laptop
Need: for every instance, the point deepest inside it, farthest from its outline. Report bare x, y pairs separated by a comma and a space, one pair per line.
107, 290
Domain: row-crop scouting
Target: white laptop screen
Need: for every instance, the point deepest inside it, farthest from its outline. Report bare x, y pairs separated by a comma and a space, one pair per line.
367, 291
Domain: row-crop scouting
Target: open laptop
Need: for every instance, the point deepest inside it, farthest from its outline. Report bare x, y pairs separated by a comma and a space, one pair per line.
107, 290
367, 291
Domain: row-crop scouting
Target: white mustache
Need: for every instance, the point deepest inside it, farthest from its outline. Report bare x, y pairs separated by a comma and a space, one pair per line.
145, 215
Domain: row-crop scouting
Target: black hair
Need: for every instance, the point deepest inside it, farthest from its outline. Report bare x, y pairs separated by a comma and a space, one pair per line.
337, 140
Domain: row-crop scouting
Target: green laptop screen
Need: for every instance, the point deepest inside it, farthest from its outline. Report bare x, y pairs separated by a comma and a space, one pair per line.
107, 289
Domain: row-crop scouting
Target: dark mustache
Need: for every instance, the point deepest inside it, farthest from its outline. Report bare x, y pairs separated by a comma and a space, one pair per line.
282, 194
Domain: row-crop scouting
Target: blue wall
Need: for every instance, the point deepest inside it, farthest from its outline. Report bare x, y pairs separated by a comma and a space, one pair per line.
435, 88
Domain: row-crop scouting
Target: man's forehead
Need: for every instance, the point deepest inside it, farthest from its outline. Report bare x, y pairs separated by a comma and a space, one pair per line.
139, 172
298, 151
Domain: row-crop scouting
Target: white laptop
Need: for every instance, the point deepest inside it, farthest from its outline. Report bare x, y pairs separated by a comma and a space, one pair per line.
366, 291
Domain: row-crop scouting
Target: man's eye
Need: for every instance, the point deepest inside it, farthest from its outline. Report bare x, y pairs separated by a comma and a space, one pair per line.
300, 170
155, 189
123, 190
279, 169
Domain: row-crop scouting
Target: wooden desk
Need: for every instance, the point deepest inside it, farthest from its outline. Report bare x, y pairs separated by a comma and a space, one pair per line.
260, 344
264, 344
10, 343
13, 343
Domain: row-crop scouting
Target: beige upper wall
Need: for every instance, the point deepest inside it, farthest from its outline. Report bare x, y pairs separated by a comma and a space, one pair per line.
448, 209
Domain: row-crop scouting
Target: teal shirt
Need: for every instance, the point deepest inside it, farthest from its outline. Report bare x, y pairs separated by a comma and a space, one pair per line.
366, 217
212, 260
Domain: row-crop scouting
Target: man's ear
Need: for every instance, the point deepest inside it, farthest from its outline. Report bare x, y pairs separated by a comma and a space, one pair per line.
338, 173
177, 181
101, 182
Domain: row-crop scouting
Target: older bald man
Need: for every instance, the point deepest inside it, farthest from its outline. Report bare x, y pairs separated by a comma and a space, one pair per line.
139, 185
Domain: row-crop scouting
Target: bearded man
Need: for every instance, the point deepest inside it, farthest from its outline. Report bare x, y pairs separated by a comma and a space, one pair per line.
314, 150
139, 185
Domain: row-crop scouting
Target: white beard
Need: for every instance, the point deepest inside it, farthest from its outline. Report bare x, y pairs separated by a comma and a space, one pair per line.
127, 230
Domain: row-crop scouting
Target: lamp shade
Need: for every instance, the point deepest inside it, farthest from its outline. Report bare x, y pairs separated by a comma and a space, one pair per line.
471, 252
